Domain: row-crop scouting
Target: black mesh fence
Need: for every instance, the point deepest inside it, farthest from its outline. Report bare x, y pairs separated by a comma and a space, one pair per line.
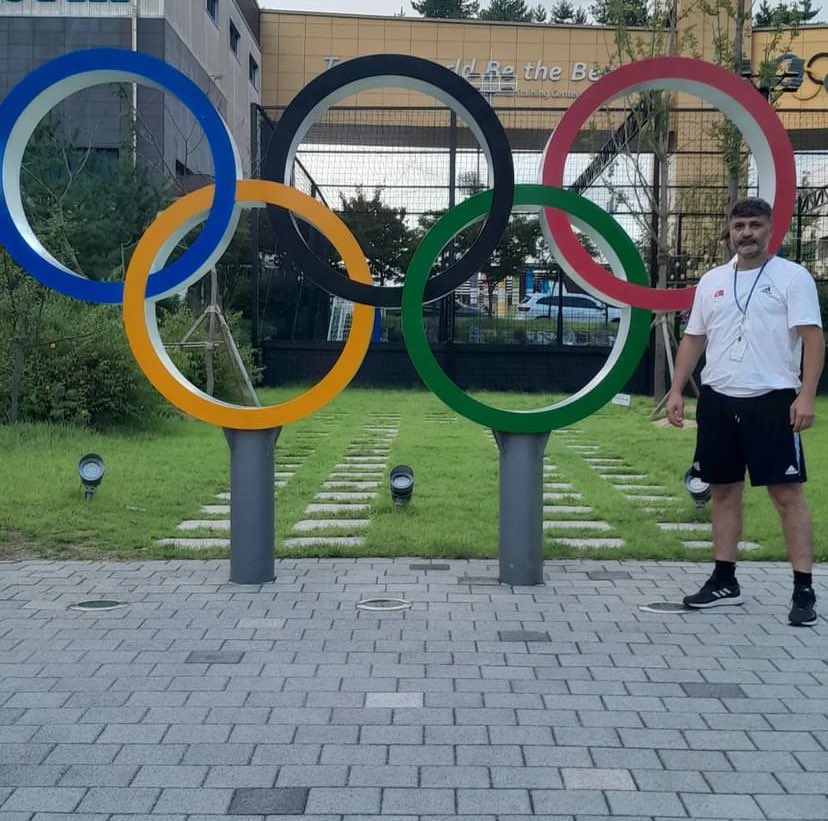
665, 175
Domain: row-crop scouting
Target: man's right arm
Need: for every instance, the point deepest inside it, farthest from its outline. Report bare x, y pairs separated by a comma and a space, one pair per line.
689, 351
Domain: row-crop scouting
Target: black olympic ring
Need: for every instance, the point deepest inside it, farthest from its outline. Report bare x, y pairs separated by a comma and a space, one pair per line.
389, 71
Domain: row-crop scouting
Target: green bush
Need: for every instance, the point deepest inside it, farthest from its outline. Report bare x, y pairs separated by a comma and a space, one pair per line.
84, 373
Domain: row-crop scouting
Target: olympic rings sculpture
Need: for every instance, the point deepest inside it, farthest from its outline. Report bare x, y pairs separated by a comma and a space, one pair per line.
149, 278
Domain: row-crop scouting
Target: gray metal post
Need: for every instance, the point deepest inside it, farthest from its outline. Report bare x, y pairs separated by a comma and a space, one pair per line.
521, 506
252, 505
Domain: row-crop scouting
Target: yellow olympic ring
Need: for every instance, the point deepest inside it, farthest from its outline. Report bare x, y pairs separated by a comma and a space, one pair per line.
141, 323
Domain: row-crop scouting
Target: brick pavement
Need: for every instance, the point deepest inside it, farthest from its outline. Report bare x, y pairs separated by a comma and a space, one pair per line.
204, 700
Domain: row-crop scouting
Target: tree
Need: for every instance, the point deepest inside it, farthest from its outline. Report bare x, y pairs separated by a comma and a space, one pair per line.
621, 13
784, 14
381, 232
88, 209
91, 207
446, 9
564, 13
509, 11
520, 243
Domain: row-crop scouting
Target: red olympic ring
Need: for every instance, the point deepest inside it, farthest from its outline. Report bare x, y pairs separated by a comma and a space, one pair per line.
741, 102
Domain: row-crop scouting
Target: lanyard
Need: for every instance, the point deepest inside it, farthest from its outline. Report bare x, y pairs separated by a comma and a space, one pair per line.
742, 310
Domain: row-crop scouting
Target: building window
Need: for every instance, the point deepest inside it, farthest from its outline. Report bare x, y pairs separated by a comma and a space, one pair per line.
212, 9
234, 39
253, 72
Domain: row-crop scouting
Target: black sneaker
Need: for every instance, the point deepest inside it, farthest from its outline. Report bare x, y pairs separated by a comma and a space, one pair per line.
715, 594
803, 603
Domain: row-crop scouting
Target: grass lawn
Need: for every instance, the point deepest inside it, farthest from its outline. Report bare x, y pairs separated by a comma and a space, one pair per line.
155, 479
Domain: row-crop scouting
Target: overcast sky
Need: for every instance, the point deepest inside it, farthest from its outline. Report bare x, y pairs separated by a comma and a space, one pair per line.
384, 7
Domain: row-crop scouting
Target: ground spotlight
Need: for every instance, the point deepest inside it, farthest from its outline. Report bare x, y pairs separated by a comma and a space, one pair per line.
401, 482
698, 489
91, 471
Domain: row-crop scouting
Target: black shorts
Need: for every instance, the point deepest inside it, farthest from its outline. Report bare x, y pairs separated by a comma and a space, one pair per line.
753, 433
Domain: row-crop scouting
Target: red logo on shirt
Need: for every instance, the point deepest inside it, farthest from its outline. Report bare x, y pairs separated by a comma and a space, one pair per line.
719, 294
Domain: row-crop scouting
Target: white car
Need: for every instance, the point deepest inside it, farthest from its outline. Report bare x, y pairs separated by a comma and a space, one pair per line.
576, 308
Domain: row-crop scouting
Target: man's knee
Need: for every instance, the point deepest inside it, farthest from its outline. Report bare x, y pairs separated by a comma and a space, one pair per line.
788, 497
727, 494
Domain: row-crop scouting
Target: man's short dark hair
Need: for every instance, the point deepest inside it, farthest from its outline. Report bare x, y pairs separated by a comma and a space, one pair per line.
750, 207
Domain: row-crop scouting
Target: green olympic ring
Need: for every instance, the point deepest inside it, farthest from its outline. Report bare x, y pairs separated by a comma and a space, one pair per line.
634, 326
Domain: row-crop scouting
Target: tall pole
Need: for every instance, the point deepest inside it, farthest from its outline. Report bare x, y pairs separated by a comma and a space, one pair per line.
134, 43
738, 56
520, 547
252, 505
255, 172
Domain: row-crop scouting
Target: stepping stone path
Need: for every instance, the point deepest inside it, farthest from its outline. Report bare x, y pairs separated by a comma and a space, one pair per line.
704, 545
434, 418
567, 531
287, 461
337, 517
634, 488
632, 485
340, 511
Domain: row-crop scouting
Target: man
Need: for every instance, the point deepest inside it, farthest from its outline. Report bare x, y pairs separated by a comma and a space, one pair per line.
756, 319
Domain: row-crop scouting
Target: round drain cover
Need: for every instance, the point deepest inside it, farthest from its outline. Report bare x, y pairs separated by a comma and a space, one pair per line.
98, 604
664, 607
383, 604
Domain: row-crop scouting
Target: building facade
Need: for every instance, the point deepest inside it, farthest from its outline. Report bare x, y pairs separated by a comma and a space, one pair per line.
214, 42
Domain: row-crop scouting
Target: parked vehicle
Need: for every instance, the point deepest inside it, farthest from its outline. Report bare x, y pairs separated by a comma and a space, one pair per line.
460, 308
577, 308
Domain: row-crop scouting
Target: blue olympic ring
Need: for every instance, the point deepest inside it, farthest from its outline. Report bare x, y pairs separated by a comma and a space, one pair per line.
31, 99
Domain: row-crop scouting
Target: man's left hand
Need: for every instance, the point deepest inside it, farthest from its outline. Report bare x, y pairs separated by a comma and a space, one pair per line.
802, 413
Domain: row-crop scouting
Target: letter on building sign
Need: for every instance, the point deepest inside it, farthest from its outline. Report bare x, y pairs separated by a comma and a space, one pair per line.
578, 71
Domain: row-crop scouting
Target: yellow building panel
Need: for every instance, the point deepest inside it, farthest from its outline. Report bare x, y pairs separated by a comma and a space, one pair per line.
503, 34
447, 33
316, 31
270, 45
369, 46
398, 45
530, 36
554, 37
292, 46
292, 31
290, 82
394, 26
423, 33
344, 47
551, 63
477, 35
290, 63
428, 51
318, 48
371, 28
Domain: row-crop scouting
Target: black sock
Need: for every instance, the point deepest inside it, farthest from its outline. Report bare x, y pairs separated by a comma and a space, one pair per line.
725, 572
803, 579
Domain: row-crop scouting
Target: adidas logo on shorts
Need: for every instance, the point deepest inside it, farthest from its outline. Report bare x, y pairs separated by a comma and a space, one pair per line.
791, 471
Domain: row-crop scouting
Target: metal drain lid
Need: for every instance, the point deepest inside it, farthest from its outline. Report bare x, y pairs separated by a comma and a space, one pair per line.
383, 604
98, 604
664, 607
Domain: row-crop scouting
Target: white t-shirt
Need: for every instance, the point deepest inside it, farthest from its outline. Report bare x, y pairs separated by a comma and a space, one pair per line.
785, 296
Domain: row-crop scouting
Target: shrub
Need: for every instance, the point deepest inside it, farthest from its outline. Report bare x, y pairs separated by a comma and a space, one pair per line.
84, 374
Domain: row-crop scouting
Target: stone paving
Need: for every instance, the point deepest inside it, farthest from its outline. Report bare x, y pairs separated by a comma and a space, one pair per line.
202, 700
